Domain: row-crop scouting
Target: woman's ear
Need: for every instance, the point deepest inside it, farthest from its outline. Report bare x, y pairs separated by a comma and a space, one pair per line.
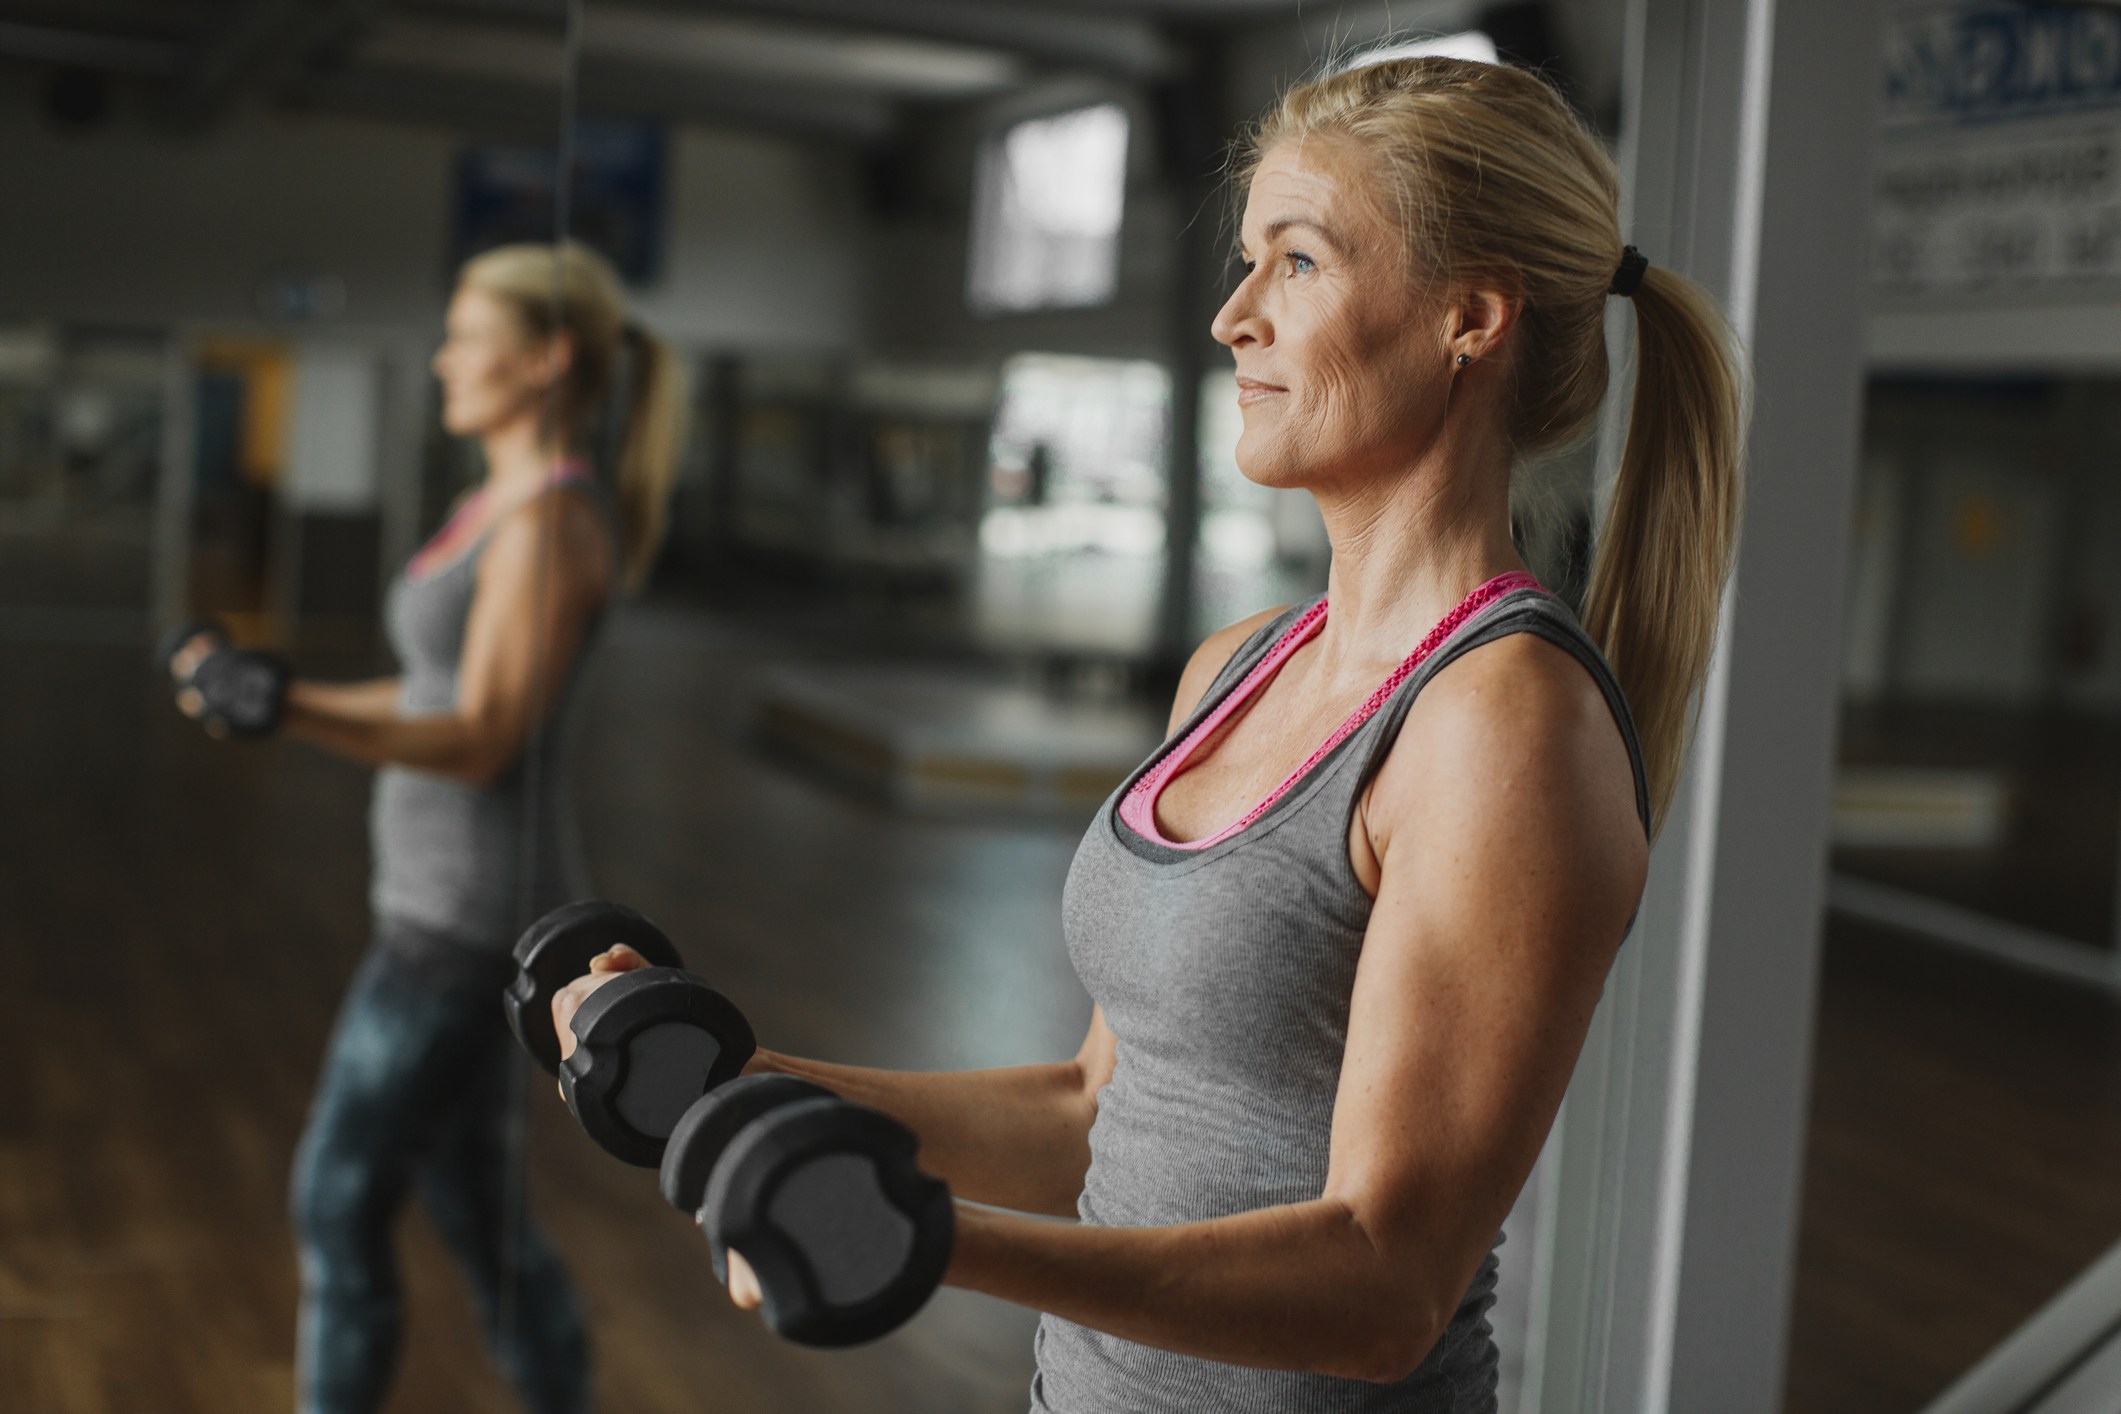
1481, 321
558, 359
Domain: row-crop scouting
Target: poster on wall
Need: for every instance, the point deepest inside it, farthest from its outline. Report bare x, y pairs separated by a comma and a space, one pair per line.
1999, 159
506, 194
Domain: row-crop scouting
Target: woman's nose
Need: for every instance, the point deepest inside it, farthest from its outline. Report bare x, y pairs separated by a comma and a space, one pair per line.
1237, 322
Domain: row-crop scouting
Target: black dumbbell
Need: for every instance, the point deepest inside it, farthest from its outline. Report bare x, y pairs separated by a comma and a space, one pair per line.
648, 1043
847, 1236
242, 691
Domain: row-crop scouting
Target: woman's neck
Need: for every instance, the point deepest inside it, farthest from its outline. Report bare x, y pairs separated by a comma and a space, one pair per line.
519, 455
1408, 548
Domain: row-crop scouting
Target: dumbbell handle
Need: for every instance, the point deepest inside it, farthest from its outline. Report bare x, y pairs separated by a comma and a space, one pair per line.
556, 950
648, 1044
888, 1225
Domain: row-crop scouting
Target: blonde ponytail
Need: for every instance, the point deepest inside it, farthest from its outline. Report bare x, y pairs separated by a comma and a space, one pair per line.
1498, 185
571, 289
648, 458
1671, 527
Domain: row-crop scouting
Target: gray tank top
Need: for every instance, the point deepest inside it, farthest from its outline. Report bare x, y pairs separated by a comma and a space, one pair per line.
448, 853
1226, 973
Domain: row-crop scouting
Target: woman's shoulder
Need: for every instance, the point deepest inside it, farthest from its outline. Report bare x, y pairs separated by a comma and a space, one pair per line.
1517, 716
1511, 687
572, 505
553, 529
1212, 656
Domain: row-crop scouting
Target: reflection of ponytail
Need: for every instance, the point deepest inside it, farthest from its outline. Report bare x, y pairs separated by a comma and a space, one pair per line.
591, 308
1672, 527
1497, 185
648, 458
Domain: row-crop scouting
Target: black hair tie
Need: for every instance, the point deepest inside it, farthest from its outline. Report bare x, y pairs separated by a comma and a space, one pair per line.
1628, 278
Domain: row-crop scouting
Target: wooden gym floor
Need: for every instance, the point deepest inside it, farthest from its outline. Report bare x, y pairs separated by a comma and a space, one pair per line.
179, 916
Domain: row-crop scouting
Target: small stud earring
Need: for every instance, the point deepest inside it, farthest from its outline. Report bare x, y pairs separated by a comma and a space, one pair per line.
1464, 359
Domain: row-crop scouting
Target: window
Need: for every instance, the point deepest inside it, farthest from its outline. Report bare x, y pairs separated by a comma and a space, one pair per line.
1072, 541
1046, 211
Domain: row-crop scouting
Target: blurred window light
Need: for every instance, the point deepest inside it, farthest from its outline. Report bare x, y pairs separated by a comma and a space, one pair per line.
1237, 537
1099, 425
1467, 44
1046, 213
1076, 461
1036, 532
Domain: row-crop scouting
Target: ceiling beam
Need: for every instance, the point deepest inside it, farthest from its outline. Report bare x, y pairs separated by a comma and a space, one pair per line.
823, 56
87, 49
518, 110
261, 48
1121, 44
1117, 44
699, 48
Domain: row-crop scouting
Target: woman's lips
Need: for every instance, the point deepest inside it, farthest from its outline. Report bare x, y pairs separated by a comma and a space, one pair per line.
1251, 390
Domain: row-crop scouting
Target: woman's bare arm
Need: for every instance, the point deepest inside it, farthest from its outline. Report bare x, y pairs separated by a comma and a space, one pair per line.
545, 572
374, 697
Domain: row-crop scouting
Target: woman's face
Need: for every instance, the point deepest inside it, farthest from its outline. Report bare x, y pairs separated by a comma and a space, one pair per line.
490, 370
1343, 367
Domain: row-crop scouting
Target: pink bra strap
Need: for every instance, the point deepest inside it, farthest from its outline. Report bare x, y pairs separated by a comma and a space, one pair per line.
1138, 808
439, 547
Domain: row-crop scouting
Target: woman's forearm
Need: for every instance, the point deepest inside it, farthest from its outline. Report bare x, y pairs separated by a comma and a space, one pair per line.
362, 721
1300, 1287
370, 697
1016, 1137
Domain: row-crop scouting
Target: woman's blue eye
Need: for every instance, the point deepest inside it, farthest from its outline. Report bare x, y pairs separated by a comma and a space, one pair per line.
1301, 264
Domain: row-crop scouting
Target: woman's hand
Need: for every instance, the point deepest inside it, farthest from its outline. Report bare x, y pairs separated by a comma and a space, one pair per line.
743, 1283
606, 965
568, 1000
182, 664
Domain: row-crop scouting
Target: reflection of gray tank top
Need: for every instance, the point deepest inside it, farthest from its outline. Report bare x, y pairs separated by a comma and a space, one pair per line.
1226, 973
447, 853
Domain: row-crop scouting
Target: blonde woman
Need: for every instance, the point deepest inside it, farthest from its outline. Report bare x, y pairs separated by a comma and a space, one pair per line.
1346, 929
493, 622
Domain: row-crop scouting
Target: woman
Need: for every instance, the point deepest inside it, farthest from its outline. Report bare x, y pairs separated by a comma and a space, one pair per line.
1346, 930
493, 621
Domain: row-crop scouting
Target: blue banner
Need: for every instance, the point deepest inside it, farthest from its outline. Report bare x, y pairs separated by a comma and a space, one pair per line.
1975, 63
506, 194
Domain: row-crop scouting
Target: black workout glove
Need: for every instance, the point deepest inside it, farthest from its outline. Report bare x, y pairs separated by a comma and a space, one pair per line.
241, 692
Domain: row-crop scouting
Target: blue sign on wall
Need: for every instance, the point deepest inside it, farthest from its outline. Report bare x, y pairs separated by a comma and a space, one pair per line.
2000, 165
1961, 63
506, 194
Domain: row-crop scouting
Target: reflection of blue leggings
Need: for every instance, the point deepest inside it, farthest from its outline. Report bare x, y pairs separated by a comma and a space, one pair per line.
415, 1089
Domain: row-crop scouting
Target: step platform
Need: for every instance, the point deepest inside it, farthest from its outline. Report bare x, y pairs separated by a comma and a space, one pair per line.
935, 740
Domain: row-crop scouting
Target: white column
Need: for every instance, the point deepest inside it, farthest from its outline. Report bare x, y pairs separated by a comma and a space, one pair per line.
332, 456
1674, 1189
